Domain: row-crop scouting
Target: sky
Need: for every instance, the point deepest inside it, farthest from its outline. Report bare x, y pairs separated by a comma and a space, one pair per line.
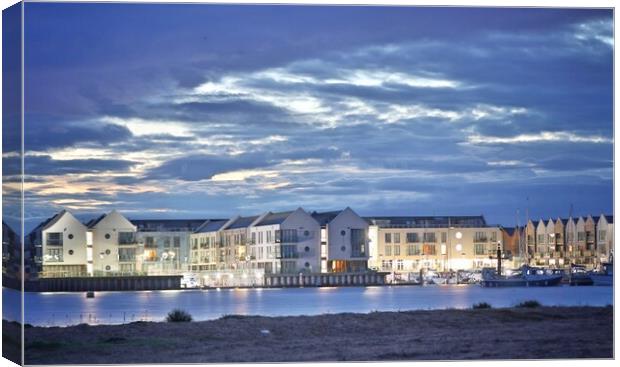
199, 111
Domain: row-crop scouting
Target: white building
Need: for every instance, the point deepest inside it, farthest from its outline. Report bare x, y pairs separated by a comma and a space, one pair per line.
113, 241
605, 237
285, 242
344, 241
63, 242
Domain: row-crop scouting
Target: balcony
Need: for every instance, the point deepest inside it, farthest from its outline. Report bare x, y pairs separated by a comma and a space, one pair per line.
53, 242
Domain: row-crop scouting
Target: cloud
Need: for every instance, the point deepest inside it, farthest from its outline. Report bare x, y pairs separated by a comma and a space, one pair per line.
544, 136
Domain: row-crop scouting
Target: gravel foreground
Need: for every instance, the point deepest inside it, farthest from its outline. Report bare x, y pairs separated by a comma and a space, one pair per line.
509, 333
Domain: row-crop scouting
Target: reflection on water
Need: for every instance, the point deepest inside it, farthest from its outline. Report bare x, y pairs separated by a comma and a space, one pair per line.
118, 307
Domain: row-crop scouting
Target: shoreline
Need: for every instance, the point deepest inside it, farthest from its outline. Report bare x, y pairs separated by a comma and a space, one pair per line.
451, 334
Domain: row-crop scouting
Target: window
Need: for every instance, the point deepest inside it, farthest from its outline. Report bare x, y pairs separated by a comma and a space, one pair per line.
541, 238
176, 241
126, 238
388, 250
358, 242
429, 250
413, 250
601, 235
166, 241
107, 236
149, 242
444, 237
412, 237
70, 236
278, 236
253, 238
306, 233
54, 239
399, 265
396, 237
388, 238
494, 236
70, 252
343, 233
269, 239
429, 237
53, 255
396, 250
479, 249
480, 237
288, 235
581, 236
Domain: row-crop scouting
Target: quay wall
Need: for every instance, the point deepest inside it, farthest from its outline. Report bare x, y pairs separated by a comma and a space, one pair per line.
324, 279
85, 284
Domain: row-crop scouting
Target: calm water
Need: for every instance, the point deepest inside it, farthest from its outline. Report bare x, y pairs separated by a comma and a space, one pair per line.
56, 309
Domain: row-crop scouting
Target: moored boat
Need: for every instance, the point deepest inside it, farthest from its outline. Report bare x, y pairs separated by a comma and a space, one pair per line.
526, 277
579, 276
605, 276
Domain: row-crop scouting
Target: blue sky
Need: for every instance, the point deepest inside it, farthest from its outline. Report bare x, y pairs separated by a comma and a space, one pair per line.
196, 111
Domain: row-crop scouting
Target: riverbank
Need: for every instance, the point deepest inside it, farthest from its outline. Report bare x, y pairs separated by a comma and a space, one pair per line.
509, 333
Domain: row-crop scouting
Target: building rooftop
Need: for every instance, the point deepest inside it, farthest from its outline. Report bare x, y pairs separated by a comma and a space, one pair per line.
325, 217
242, 222
51, 221
211, 225
274, 218
167, 225
93, 222
427, 221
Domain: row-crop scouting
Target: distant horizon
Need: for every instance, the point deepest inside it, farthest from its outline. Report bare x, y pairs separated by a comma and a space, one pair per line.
208, 110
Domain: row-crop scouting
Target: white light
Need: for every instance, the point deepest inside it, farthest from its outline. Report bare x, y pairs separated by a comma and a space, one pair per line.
458, 235
459, 247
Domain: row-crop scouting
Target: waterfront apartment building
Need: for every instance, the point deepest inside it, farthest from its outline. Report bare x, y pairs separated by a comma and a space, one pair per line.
63, 246
409, 244
557, 243
205, 245
285, 243
164, 244
344, 241
112, 245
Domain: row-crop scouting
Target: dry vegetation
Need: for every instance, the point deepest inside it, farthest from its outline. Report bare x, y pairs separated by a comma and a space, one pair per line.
514, 333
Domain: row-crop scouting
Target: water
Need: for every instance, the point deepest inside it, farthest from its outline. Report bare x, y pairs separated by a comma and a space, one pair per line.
58, 309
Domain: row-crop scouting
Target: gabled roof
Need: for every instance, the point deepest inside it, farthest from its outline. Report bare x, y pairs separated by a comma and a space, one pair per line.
274, 218
51, 221
242, 222
509, 230
325, 217
609, 218
211, 225
167, 225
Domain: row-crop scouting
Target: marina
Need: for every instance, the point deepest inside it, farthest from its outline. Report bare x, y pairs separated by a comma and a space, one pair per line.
61, 309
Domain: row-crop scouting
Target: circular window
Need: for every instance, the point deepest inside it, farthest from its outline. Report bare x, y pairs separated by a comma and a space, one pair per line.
107, 236
307, 265
70, 252
343, 248
306, 233
107, 252
107, 267
307, 249
343, 232
458, 235
70, 236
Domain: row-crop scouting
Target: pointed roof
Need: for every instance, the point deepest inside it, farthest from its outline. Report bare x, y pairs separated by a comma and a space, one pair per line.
609, 218
53, 220
274, 218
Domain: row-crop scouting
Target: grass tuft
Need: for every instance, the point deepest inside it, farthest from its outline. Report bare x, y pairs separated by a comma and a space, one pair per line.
178, 315
528, 304
481, 305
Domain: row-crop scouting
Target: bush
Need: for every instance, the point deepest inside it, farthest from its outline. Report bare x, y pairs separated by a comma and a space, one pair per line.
480, 305
529, 304
178, 315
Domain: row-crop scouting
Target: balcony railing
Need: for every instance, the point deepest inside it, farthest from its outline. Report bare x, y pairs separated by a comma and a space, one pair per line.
53, 242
